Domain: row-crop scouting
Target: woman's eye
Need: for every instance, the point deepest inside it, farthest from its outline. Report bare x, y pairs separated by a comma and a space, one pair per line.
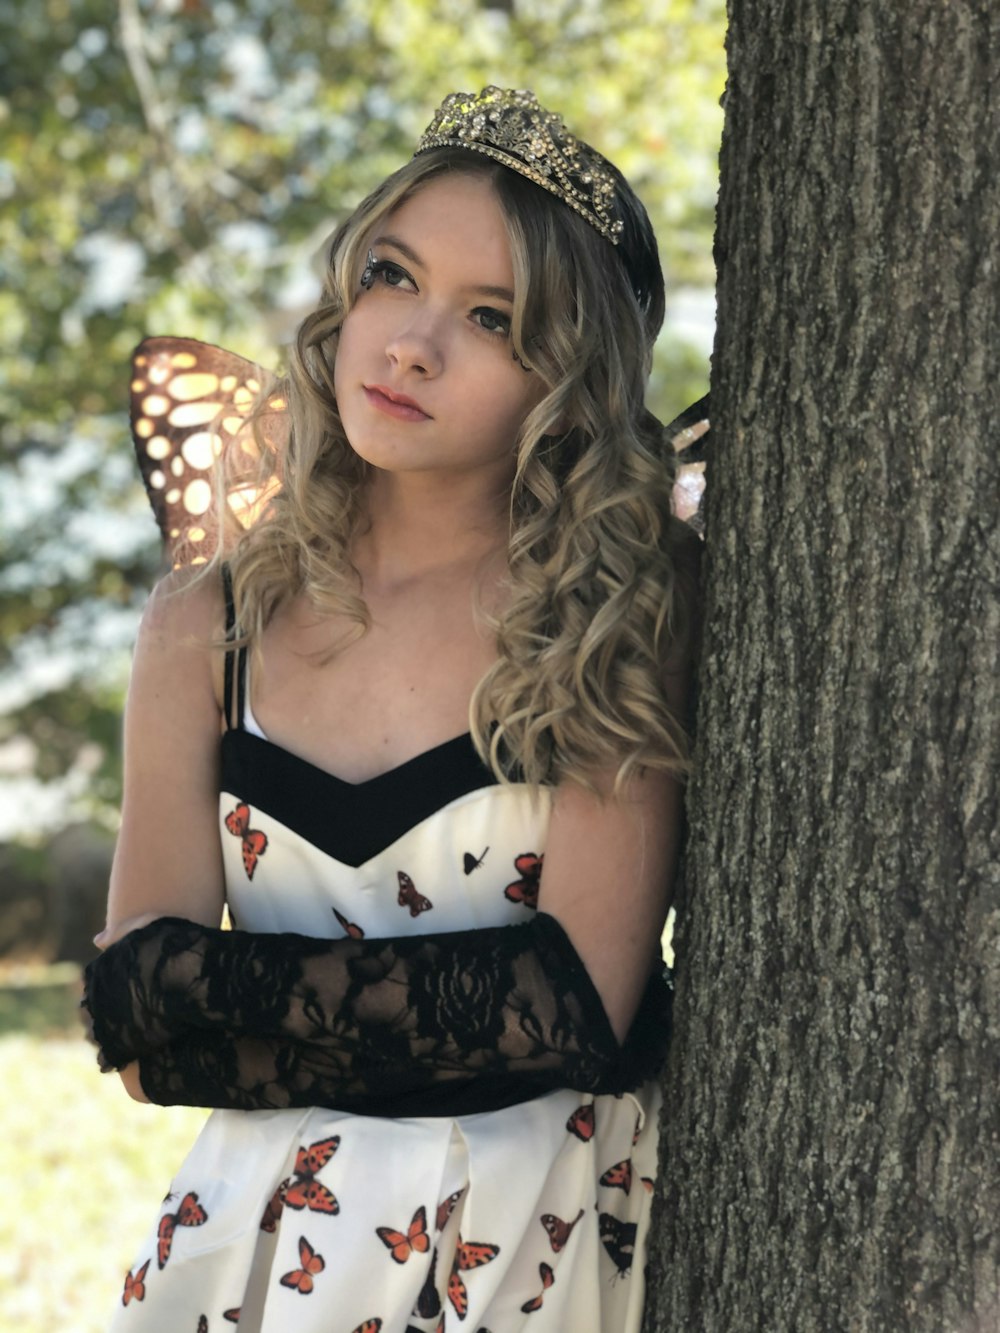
384, 271
492, 321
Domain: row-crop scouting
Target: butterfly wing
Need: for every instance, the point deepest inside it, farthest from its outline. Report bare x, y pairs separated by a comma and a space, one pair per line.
348, 927
445, 1209
409, 897
581, 1122
274, 1207
619, 1176
191, 1213
369, 1326
254, 845
474, 1254
308, 1161
189, 402
238, 820
165, 1238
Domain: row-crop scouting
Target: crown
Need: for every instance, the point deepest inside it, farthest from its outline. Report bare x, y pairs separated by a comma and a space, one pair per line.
511, 126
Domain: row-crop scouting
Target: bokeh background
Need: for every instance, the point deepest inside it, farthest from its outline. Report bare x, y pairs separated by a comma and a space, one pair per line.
173, 166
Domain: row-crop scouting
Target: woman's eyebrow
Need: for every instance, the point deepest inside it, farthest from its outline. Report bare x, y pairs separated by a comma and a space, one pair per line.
503, 293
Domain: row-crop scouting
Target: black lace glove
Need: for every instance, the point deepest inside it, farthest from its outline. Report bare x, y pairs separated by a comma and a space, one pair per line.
424, 1025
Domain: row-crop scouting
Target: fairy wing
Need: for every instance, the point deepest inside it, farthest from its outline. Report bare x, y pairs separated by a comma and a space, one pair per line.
189, 401
689, 433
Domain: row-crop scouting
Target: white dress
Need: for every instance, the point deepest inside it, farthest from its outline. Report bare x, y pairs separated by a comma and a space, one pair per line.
533, 1217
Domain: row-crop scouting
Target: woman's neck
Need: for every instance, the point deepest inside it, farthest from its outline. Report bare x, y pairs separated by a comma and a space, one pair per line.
428, 526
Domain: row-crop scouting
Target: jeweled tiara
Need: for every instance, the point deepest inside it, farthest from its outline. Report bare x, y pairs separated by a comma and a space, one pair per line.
511, 126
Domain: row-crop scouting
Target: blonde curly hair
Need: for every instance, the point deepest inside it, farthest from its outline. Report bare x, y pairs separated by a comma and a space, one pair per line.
600, 590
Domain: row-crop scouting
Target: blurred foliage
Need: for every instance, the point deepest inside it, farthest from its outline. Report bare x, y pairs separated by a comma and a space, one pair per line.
172, 166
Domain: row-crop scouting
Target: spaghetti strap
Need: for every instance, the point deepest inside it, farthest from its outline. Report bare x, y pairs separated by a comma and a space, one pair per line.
236, 660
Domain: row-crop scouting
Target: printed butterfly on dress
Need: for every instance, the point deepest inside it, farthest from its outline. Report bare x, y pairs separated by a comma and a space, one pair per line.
413, 1241
254, 842
618, 1238
525, 890
135, 1286
189, 1214
581, 1122
471, 863
203, 1323
409, 897
548, 1277
369, 1326
558, 1231
302, 1189
349, 928
467, 1257
302, 1279
191, 401
445, 1209
619, 1176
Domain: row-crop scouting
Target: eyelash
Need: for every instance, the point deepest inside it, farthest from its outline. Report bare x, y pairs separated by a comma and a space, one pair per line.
381, 268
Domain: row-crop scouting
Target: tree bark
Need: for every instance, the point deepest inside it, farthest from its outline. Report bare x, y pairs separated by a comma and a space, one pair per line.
831, 1134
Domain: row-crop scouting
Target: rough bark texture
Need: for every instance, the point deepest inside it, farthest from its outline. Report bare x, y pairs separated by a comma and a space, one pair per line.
832, 1128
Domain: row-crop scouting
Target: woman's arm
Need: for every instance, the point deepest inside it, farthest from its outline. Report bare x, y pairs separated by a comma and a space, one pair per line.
168, 859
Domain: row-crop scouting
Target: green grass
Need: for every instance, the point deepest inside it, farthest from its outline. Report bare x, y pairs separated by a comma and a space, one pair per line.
84, 1167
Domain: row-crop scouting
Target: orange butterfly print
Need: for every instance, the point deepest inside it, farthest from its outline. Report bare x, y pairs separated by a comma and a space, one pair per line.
409, 897
302, 1279
369, 1326
254, 842
619, 1176
304, 1190
525, 889
469, 1255
581, 1122
348, 927
414, 1241
233, 1316
135, 1287
189, 1214
273, 1209
548, 1277
647, 1183
445, 1209
559, 1231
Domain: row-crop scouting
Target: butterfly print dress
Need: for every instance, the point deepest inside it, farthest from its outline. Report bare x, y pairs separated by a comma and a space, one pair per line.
528, 1218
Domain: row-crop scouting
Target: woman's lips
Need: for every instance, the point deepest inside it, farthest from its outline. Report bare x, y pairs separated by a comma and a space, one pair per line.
394, 404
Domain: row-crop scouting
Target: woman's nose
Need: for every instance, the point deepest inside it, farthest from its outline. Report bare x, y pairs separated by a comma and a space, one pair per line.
417, 345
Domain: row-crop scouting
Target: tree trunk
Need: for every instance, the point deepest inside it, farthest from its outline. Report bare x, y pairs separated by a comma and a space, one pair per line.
831, 1149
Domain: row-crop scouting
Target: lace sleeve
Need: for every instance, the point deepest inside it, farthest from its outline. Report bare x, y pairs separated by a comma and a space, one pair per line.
432, 1024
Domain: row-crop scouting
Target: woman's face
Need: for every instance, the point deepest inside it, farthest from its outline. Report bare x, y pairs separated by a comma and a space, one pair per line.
425, 376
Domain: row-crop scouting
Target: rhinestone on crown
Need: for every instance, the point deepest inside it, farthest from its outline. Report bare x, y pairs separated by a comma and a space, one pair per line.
511, 126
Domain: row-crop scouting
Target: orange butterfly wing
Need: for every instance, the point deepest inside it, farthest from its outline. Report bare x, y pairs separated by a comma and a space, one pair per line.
191, 1213
445, 1209
273, 1208
581, 1122
619, 1176
189, 401
301, 1279
548, 1277
525, 890
402, 1246
312, 1194
348, 927
254, 845
369, 1326
238, 820
233, 1316
457, 1293
315, 1157
474, 1254
164, 1239
135, 1286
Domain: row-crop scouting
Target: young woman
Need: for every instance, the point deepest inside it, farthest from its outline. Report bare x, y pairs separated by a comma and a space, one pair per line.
449, 665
